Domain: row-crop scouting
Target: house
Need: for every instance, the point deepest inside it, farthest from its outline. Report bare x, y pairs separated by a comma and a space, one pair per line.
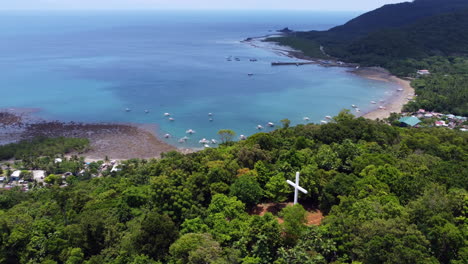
423, 72
421, 111
38, 175
15, 176
409, 121
2, 179
440, 123
58, 160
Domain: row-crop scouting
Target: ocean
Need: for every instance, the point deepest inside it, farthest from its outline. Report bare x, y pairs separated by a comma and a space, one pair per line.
90, 66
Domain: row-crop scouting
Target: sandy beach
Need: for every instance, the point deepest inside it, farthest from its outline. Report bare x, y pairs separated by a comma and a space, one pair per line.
116, 141
393, 104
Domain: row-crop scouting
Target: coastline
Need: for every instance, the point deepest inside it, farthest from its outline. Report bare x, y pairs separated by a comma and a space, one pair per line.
393, 104
115, 140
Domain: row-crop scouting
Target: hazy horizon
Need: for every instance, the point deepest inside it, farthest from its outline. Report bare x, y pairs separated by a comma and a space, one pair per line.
331, 5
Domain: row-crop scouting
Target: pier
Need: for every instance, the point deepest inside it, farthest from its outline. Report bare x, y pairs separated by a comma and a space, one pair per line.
291, 63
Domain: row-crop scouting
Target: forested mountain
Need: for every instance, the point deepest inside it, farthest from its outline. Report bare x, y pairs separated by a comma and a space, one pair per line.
397, 15
403, 38
390, 195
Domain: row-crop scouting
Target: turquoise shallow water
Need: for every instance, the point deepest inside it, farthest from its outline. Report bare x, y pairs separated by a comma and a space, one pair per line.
90, 66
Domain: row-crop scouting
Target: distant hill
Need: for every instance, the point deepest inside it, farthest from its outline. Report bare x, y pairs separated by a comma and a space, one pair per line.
416, 30
397, 15
405, 37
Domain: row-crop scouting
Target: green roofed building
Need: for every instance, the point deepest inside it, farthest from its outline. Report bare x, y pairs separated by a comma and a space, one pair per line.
410, 121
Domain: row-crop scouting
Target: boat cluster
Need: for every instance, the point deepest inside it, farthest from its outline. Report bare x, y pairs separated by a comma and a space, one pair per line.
230, 58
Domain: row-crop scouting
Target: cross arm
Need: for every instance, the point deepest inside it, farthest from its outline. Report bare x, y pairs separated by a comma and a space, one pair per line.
298, 187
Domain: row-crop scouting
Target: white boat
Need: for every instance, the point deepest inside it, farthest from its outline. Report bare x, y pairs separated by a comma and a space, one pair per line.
323, 122
211, 119
373, 102
214, 141
354, 106
146, 111
206, 146
182, 140
167, 114
358, 110
328, 117
127, 109
381, 107
270, 124
400, 89
242, 137
210, 114
167, 136
171, 119
306, 118
259, 127
190, 131
204, 141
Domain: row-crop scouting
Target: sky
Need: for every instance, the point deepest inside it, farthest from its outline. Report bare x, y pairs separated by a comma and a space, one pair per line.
329, 5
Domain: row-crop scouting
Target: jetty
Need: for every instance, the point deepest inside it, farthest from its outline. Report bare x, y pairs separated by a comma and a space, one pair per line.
291, 63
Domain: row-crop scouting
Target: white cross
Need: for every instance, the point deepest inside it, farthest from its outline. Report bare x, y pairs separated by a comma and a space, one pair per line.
296, 187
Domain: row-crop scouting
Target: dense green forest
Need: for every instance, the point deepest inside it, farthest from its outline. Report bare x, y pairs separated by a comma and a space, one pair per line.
43, 147
390, 195
404, 38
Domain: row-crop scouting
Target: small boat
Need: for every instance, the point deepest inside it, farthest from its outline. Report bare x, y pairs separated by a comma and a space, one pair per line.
306, 118
190, 131
323, 122
167, 114
250, 74
381, 107
237, 59
167, 136
270, 124
171, 119
400, 89
185, 138
229, 59
127, 109
354, 106
358, 110
206, 146
211, 119
259, 127
253, 60
210, 114
328, 117
242, 137
204, 141
214, 141
182, 140
373, 102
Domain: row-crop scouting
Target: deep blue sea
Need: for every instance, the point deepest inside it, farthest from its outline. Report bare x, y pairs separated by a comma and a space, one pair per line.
91, 66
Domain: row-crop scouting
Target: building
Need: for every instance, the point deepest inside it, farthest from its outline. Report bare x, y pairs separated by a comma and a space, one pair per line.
423, 72
15, 176
409, 121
